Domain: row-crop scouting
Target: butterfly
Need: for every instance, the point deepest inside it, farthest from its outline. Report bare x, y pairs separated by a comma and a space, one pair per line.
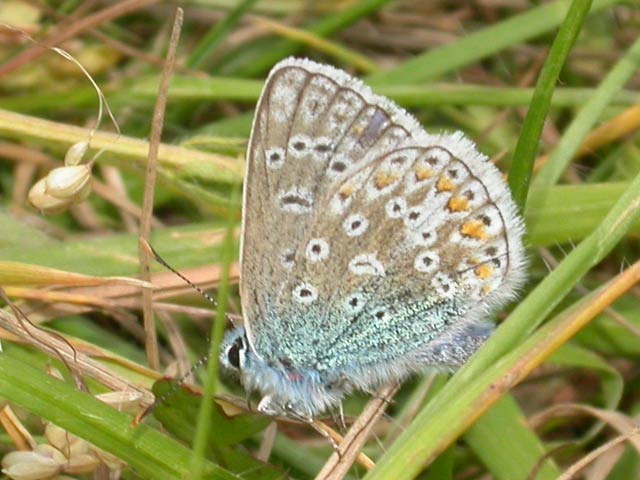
371, 249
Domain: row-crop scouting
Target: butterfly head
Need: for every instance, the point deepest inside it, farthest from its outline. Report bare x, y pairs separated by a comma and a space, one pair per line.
285, 391
233, 351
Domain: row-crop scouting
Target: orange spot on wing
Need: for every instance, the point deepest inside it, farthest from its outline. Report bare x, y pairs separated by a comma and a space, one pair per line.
473, 229
346, 190
484, 271
384, 179
444, 184
423, 173
458, 204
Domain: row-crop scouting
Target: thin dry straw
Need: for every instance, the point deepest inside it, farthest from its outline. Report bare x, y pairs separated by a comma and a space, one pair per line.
151, 341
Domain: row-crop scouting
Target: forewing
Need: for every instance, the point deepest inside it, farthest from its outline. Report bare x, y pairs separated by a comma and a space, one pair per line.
314, 127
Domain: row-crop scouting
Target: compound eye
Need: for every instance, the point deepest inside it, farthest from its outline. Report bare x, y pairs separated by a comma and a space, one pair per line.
233, 353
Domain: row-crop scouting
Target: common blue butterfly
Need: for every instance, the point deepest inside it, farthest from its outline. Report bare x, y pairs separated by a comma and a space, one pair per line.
370, 249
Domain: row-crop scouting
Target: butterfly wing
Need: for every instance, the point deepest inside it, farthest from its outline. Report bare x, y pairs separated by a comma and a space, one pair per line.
369, 246
314, 125
442, 250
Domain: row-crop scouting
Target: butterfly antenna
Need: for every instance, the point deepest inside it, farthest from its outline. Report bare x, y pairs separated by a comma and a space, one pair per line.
156, 256
174, 388
199, 363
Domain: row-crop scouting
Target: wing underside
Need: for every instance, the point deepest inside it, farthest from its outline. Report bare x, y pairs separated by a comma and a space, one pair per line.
365, 238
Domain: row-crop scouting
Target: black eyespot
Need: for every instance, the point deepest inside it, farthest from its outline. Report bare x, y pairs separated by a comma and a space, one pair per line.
233, 354
396, 208
305, 293
354, 302
338, 167
316, 248
486, 220
426, 235
323, 148
453, 173
432, 161
413, 215
299, 146
380, 314
356, 224
293, 199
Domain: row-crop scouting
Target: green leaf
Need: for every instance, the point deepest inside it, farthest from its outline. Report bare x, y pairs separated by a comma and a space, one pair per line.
178, 413
153, 454
507, 446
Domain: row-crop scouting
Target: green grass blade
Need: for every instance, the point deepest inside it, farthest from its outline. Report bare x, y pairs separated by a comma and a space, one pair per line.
217, 331
587, 117
568, 213
527, 146
189, 89
503, 441
612, 383
258, 59
482, 44
217, 34
508, 446
127, 150
152, 454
